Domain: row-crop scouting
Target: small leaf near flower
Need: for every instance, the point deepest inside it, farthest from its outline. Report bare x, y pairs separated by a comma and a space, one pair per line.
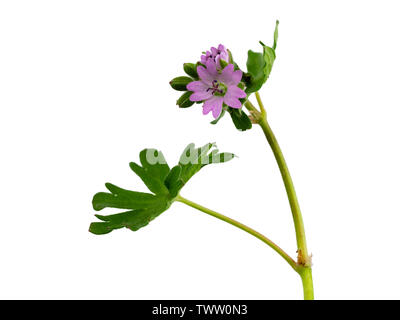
240, 119
259, 65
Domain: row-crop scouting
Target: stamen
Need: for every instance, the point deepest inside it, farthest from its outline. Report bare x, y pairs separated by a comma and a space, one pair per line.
216, 88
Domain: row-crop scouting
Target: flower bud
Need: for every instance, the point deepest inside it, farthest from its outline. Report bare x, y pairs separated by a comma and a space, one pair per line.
183, 101
180, 83
191, 70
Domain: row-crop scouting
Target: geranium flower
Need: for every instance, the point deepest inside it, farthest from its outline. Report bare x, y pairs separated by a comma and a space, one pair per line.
216, 54
216, 88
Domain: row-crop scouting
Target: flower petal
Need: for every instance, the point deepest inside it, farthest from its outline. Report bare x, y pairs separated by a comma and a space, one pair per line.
200, 96
223, 53
236, 77
230, 77
232, 102
226, 74
236, 92
232, 96
221, 48
196, 86
205, 75
212, 68
214, 104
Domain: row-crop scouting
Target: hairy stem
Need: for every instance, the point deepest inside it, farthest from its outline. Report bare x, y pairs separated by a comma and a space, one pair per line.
239, 225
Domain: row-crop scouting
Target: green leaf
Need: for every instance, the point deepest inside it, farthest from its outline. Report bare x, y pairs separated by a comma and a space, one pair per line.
275, 35
154, 183
164, 183
122, 199
216, 157
240, 119
154, 162
269, 58
133, 220
144, 208
255, 68
193, 159
173, 182
259, 65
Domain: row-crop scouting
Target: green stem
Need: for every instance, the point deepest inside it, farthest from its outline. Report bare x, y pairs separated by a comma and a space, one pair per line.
259, 101
291, 193
303, 258
306, 278
251, 107
239, 225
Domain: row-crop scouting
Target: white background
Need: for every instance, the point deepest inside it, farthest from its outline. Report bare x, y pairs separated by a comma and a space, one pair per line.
84, 87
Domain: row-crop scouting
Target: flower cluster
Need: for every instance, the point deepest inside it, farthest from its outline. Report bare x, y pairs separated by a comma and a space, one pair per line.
217, 82
217, 86
214, 81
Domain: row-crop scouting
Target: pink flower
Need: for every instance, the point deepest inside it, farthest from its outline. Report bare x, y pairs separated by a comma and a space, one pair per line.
216, 54
217, 87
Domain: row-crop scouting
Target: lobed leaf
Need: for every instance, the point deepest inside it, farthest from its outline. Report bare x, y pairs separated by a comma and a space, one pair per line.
173, 182
154, 162
153, 171
122, 199
133, 220
163, 182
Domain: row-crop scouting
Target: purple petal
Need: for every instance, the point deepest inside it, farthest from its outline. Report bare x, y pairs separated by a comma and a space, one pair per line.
207, 107
232, 96
200, 96
218, 62
196, 86
236, 77
214, 104
224, 55
230, 77
235, 92
205, 75
217, 110
212, 68
232, 102
226, 74
221, 48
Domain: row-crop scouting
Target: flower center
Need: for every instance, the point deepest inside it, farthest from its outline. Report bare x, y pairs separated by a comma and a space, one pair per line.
217, 89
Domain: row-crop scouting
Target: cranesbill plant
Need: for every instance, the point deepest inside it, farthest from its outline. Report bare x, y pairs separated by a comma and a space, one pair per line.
219, 84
